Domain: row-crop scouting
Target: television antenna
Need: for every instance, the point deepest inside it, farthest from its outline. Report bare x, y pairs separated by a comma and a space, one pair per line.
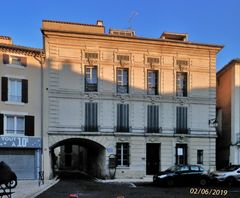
130, 20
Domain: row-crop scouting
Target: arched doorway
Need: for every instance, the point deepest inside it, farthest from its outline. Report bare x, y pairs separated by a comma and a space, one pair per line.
78, 155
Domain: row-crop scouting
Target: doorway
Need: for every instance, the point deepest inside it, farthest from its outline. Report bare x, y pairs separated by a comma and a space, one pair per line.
153, 158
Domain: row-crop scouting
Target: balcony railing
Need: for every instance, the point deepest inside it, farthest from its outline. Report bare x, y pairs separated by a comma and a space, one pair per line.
153, 129
122, 129
182, 130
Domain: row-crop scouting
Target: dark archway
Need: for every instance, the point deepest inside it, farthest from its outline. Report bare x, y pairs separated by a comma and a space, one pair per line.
78, 155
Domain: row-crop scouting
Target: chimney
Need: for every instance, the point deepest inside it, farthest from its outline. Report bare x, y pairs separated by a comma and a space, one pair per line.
99, 23
5, 40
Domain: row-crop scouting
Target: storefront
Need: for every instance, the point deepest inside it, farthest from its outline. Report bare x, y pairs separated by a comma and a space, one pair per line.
22, 154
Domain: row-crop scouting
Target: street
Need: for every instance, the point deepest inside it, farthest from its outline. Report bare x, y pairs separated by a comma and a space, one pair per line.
89, 188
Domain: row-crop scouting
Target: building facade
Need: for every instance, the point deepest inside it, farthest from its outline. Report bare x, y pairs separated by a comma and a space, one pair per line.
131, 105
20, 108
228, 105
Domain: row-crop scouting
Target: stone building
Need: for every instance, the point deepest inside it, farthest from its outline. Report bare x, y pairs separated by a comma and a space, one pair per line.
20, 108
148, 103
228, 105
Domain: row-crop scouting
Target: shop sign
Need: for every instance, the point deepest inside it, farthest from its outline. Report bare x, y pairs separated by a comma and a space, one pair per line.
20, 142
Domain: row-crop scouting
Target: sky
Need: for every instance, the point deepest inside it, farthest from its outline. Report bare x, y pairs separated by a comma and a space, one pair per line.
205, 21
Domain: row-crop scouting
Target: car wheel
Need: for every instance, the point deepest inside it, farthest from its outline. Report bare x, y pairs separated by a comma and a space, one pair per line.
203, 182
170, 182
230, 181
11, 184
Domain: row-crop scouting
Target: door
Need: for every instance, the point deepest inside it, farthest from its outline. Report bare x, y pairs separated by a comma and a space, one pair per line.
22, 162
181, 154
153, 158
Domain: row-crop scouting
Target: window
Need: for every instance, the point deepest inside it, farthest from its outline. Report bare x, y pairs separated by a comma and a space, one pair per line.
91, 116
15, 125
122, 154
122, 80
181, 84
199, 156
14, 60
91, 80
181, 125
181, 154
152, 88
194, 168
14, 90
153, 119
122, 118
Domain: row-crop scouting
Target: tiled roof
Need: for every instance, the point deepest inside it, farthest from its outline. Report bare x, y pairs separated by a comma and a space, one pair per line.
21, 49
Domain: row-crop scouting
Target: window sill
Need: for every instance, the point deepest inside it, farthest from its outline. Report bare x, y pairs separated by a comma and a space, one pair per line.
16, 66
14, 103
123, 167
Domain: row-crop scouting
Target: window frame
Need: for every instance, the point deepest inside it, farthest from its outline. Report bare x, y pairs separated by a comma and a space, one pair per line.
9, 91
181, 84
15, 125
123, 162
200, 156
121, 86
90, 86
151, 89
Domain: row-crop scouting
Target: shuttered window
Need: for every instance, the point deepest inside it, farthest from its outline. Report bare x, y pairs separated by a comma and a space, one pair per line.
91, 116
122, 154
1, 124
122, 118
181, 125
153, 119
91, 79
122, 80
14, 60
181, 84
14, 90
152, 88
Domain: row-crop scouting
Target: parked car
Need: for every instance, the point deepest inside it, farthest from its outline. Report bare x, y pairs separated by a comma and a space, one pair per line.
182, 175
7, 176
228, 175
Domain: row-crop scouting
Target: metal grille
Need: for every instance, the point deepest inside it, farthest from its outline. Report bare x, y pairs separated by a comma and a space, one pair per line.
91, 55
122, 118
91, 112
153, 60
181, 120
123, 58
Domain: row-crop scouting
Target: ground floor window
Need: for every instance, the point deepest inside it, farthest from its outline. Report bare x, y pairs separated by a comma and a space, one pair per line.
200, 156
122, 154
181, 154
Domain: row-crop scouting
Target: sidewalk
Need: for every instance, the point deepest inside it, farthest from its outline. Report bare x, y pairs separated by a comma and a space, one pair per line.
30, 188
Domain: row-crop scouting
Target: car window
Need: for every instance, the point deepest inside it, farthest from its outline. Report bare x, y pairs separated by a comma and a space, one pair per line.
184, 168
194, 168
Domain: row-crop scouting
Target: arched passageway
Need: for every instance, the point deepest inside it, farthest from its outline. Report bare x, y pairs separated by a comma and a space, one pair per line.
78, 155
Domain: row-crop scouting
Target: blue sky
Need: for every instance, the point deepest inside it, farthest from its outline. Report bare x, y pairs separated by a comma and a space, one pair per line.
206, 21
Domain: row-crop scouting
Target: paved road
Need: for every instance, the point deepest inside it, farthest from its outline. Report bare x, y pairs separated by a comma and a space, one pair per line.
92, 189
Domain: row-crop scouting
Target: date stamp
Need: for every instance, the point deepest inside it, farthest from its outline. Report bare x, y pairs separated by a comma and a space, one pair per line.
206, 191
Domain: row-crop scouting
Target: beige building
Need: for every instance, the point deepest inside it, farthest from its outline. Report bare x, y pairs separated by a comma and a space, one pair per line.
148, 103
20, 108
228, 105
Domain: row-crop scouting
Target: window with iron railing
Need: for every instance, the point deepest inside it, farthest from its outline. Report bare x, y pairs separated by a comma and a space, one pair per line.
153, 119
91, 79
152, 81
122, 80
91, 117
181, 84
122, 118
181, 120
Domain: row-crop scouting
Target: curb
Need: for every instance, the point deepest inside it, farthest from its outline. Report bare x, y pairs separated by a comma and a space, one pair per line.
42, 190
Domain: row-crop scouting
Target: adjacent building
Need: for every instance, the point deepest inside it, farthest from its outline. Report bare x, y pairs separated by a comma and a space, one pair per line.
228, 105
119, 105
20, 108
